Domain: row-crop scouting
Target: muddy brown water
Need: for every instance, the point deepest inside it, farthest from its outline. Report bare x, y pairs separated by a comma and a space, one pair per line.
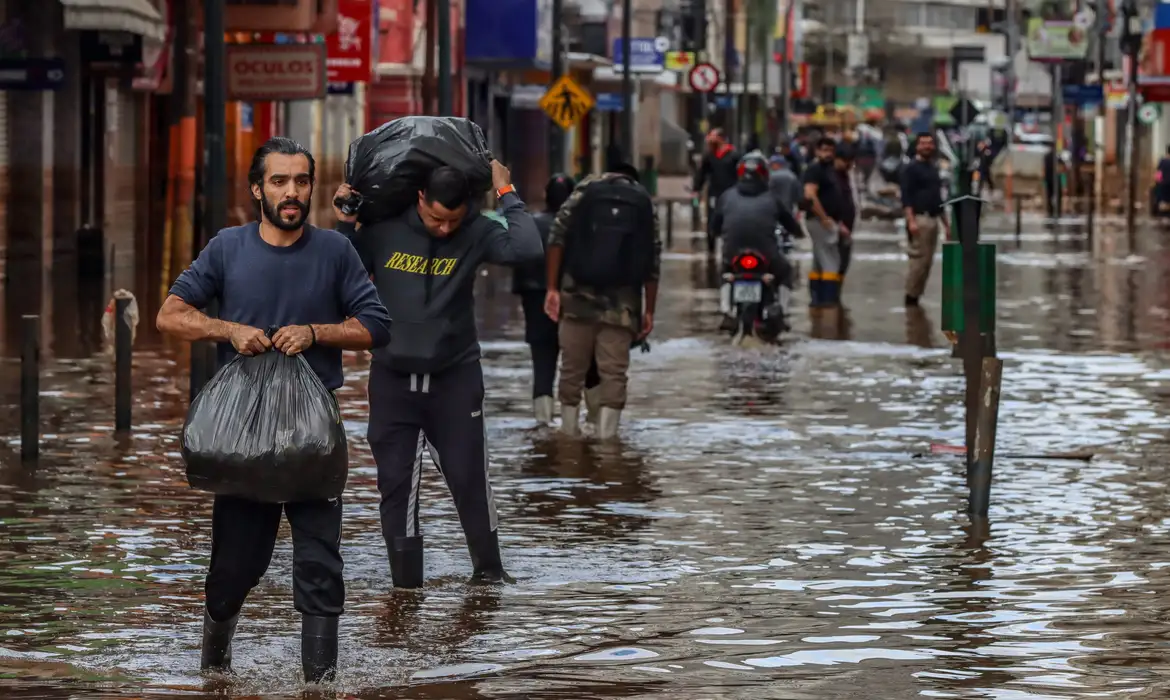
772, 525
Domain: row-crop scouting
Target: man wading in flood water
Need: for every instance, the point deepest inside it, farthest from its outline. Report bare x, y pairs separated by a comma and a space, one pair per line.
922, 205
308, 281
426, 388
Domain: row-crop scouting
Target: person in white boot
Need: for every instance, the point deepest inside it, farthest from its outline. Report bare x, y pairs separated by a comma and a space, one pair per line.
603, 259
540, 332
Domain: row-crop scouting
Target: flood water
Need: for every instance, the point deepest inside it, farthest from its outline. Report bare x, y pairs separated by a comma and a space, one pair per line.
774, 523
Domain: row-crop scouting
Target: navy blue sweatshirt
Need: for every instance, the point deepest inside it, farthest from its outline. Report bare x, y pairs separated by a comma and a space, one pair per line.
319, 279
427, 282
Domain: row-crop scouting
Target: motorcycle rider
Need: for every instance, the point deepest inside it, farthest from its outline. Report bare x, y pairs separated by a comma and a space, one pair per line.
717, 171
747, 215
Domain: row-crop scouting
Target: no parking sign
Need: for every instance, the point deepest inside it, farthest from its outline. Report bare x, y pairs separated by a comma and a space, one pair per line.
704, 77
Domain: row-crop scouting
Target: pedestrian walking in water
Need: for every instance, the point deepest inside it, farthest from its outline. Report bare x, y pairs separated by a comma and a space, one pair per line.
716, 172
843, 167
603, 261
308, 281
426, 387
540, 331
825, 212
922, 205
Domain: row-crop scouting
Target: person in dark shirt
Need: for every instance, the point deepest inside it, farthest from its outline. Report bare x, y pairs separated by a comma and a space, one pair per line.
922, 206
1162, 186
540, 331
310, 283
825, 212
717, 172
843, 167
426, 387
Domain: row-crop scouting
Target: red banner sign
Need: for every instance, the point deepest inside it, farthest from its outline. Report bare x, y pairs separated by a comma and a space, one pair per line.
350, 48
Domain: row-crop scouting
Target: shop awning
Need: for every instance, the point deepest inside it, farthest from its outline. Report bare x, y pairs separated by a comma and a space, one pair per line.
133, 16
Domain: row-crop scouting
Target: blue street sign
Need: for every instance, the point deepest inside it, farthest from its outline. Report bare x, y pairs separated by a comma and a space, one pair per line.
1162, 15
724, 101
1082, 95
648, 54
340, 88
32, 73
246, 116
608, 102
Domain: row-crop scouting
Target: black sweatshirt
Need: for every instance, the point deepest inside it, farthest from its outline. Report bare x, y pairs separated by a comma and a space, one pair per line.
427, 282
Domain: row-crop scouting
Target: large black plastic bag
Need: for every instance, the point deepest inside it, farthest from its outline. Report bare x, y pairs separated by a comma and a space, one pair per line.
389, 165
265, 428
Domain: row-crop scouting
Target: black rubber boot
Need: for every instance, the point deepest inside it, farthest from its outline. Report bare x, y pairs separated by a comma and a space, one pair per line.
319, 648
217, 644
406, 562
485, 559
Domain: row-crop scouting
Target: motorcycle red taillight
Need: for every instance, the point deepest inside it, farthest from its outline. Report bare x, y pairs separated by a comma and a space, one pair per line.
747, 262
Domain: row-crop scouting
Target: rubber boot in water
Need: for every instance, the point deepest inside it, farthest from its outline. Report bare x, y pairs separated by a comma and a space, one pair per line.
542, 409
571, 420
319, 648
217, 644
607, 429
406, 562
592, 404
485, 559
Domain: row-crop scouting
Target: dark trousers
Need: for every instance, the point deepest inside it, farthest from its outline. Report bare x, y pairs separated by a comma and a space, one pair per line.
540, 332
243, 534
441, 413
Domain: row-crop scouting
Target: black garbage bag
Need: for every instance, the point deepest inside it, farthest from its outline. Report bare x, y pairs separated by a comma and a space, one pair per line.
389, 165
265, 428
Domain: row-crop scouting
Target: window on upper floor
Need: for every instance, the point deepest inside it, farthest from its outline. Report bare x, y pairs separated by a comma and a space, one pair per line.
955, 17
839, 13
909, 14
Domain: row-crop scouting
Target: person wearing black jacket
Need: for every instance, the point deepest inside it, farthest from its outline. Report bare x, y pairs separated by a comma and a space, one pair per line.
717, 171
540, 331
843, 165
426, 390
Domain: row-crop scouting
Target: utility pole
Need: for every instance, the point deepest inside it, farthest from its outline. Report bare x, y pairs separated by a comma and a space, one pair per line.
627, 81
1099, 123
203, 363
744, 120
698, 45
428, 84
786, 72
446, 99
1058, 137
556, 136
1131, 43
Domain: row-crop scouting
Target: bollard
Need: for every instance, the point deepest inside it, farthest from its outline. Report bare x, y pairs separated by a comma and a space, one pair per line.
122, 365
669, 224
30, 388
979, 467
694, 213
1089, 222
1019, 217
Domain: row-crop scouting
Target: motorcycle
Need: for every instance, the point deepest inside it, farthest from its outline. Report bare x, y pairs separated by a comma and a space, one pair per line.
754, 300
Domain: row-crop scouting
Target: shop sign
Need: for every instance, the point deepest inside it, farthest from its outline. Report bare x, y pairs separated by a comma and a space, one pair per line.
278, 72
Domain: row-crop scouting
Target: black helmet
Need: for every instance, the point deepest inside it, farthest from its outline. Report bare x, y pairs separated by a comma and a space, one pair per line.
558, 189
752, 168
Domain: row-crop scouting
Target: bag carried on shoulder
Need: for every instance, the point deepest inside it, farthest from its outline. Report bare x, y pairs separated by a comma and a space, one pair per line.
612, 240
265, 428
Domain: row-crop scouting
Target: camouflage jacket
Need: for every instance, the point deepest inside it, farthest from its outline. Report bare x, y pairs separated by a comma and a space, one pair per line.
619, 306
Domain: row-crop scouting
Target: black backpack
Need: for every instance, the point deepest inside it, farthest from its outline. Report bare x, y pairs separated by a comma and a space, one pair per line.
611, 243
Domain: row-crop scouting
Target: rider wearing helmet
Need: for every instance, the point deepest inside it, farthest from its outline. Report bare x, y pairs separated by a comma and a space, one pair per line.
747, 216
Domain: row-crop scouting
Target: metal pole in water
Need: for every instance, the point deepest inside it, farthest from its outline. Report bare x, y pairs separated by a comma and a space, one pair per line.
122, 365
979, 467
1019, 217
30, 388
967, 218
669, 224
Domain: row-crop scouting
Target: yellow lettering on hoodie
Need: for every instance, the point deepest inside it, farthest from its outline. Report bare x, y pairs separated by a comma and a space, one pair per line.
417, 264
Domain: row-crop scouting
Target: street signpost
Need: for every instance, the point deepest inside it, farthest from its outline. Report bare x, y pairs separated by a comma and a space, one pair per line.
704, 78
647, 55
566, 102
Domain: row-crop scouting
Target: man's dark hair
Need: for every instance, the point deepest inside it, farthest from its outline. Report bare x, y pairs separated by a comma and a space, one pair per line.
826, 141
285, 147
922, 135
447, 186
627, 170
558, 189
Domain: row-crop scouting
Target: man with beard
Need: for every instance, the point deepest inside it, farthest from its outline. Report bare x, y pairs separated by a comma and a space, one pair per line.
922, 205
825, 213
426, 387
309, 283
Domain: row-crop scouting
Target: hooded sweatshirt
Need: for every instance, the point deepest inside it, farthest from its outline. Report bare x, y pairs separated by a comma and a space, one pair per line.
427, 282
747, 216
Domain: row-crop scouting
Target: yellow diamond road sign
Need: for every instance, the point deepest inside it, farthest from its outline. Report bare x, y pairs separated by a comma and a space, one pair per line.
566, 102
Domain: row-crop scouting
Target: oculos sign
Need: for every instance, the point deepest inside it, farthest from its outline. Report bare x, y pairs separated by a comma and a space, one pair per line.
261, 72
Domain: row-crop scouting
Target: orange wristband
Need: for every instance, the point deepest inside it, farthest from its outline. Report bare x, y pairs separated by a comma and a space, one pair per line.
505, 190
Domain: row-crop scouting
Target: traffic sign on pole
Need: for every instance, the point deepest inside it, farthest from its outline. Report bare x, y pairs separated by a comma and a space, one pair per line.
704, 77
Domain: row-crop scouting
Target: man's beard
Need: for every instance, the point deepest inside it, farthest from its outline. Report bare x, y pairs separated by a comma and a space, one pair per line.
274, 217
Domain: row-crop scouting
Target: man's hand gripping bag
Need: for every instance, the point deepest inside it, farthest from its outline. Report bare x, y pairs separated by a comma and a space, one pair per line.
265, 428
